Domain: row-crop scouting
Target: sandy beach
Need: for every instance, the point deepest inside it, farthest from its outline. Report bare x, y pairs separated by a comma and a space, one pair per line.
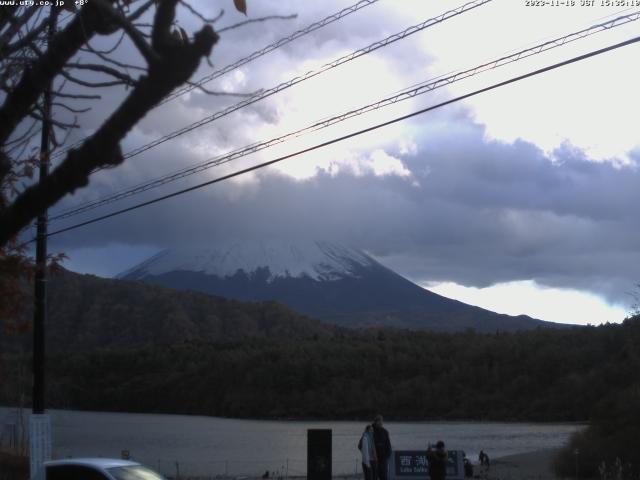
536, 465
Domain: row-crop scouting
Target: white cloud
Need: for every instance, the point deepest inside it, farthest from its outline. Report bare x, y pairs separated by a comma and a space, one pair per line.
384, 164
529, 298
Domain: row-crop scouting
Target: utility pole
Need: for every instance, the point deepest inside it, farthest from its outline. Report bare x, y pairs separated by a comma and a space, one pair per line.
39, 422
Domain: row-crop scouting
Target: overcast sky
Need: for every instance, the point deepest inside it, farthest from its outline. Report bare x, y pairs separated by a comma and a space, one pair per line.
521, 200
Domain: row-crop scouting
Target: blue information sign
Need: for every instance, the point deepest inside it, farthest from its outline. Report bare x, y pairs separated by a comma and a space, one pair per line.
413, 464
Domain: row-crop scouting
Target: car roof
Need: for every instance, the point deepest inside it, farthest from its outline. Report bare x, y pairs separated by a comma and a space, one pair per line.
100, 463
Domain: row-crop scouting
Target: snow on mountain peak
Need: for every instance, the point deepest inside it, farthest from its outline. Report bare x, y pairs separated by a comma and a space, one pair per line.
313, 259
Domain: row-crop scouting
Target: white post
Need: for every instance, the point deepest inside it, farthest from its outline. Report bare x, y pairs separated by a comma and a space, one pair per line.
39, 444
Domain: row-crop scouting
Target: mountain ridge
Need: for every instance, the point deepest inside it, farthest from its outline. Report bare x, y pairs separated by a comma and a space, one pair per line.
327, 281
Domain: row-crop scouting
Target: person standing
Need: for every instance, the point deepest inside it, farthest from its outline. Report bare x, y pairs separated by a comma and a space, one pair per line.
437, 461
369, 458
383, 447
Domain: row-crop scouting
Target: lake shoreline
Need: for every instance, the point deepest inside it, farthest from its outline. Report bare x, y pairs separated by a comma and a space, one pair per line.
537, 465
303, 419
197, 445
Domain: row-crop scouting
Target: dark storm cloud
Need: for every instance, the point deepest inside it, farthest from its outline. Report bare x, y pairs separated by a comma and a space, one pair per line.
350, 33
474, 212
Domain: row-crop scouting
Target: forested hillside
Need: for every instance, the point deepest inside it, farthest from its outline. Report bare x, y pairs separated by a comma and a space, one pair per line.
88, 313
547, 375
184, 352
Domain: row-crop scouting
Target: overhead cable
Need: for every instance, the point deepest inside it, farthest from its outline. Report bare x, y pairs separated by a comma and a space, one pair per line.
257, 54
262, 94
351, 135
270, 48
403, 95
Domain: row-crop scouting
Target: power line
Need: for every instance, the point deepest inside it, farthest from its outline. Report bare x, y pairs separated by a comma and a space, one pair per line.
406, 94
543, 47
270, 48
255, 55
310, 74
409, 93
353, 134
261, 95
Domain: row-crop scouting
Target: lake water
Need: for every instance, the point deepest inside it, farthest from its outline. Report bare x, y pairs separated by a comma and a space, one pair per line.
215, 446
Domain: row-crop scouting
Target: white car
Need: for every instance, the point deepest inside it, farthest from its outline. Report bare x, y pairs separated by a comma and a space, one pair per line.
98, 469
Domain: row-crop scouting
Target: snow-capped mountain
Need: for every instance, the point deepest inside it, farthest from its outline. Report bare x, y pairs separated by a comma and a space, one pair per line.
324, 280
319, 261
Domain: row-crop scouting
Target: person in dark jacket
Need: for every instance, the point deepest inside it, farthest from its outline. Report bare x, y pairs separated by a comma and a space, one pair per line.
383, 447
437, 461
468, 468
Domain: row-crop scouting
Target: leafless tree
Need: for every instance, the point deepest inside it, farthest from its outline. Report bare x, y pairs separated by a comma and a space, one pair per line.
30, 62
66, 63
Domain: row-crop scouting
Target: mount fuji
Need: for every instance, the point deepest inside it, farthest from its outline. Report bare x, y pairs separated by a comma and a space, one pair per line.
324, 280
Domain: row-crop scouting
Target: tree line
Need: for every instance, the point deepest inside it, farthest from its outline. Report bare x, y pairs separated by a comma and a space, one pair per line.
540, 375
582, 374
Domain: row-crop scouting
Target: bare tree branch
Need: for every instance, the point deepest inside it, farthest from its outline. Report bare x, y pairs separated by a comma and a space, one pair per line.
256, 20
34, 80
6, 16
22, 146
161, 38
29, 63
199, 15
88, 84
70, 109
94, 67
104, 57
76, 96
177, 63
140, 11
138, 40
16, 25
57, 144
23, 136
23, 42
109, 51
220, 93
55, 122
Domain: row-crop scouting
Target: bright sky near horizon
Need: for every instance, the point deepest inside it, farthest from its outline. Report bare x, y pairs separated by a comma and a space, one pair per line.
521, 200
